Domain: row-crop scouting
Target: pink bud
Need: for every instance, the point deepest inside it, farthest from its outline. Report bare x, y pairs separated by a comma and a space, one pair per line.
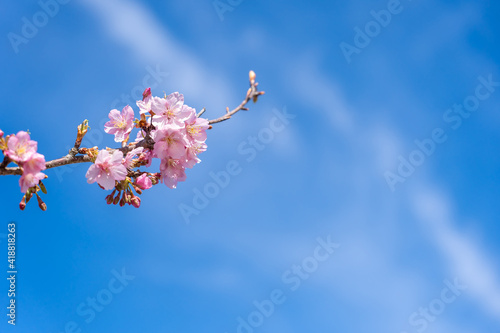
143, 182
146, 93
1, 133
22, 204
136, 202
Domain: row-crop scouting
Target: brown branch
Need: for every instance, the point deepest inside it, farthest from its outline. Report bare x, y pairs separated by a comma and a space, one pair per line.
68, 159
5, 162
10, 171
252, 94
74, 159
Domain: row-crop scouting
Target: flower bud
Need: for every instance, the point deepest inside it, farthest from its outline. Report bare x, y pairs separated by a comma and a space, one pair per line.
146, 93
252, 76
41, 204
83, 128
154, 178
123, 200
137, 189
116, 199
109, 199
42, 187
136, 202
1, 133
28, 195
22, 204
143, 182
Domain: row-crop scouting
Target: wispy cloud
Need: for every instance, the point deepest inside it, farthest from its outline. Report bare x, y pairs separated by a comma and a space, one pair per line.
133, 25
467, 259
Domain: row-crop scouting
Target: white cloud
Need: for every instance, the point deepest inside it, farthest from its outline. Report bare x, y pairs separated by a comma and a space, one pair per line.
322, 94
468, 260
135, 26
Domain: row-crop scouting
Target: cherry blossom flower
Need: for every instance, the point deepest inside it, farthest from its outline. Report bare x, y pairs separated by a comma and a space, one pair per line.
172, 172
192, 153
196, 127
20, 147
22, 150
140, 136
34, 164
127, 161
31, 171
120, 123
144, 182
28, 180
107, 168
169, 111
170, 143
146, 156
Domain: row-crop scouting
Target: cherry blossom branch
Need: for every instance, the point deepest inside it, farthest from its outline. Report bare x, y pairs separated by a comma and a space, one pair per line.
66, 160
73, 158
252, 94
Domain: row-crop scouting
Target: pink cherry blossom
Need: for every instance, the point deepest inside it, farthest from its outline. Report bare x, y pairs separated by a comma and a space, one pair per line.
107, 168
172, 172
34, 164
145, 104
20, 147
146, 156
196, 127
192, 153
127, 161
120, 124
140, 136
170, 143
28, 180
144, 182
169, 111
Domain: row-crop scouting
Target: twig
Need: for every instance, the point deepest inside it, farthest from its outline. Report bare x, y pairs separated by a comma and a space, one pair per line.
201, 112
252, 94
81, 131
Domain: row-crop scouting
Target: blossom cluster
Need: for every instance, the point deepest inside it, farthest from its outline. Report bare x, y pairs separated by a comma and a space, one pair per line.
20, 149
168, 130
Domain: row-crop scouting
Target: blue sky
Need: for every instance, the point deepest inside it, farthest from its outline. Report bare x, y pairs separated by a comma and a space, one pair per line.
322, 175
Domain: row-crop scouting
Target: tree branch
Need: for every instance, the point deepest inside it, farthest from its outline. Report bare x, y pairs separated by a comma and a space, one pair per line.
252, 94
73, 158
